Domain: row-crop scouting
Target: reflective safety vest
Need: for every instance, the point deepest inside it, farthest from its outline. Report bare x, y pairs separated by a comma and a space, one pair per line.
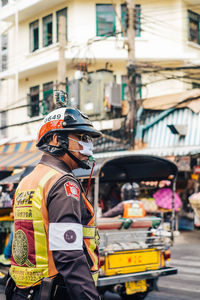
91, 240
31, 258
133, 209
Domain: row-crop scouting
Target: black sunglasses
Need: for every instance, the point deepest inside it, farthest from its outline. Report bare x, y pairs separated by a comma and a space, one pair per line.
85, 138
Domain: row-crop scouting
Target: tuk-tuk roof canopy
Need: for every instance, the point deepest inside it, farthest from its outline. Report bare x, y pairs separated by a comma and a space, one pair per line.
131, 168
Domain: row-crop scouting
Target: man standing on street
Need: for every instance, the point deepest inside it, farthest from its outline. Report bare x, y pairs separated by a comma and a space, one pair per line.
55, 245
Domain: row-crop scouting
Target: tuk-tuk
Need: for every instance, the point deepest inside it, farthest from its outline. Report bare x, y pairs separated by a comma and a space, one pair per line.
133, 253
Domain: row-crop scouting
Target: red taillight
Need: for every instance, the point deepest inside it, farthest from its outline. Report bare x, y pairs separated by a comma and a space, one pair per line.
102, 261
167, 254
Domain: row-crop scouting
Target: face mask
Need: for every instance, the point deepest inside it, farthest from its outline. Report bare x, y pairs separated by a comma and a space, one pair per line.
87, 147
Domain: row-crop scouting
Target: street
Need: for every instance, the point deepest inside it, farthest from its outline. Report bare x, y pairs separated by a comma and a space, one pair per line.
183, 286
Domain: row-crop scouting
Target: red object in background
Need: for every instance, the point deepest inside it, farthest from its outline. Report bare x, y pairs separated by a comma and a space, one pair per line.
163, 198
196, 170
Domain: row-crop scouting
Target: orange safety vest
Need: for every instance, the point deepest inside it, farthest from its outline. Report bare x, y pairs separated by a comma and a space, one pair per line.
31, 258
133, 209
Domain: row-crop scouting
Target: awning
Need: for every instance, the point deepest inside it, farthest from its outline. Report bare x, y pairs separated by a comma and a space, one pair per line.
12, 179
18, 155
163, 152
17, 177
189, 99
170, 151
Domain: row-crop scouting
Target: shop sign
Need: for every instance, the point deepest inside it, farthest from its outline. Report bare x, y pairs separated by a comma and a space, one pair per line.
196, 170
183, 163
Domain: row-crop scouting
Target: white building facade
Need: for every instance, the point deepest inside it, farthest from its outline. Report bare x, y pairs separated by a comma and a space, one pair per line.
167, 36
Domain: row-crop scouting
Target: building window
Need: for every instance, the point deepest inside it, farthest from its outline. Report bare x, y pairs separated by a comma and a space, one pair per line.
4, 2
105, 19
47, 31
4, 62
4, 52
124, 18
193, 27
124, 88
62, 12
34, 35
125, 91
67, 86
34, 102
47, 102
195, 85
4, 42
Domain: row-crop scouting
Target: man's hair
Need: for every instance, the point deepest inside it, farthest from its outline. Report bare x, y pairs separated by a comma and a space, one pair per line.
48, 138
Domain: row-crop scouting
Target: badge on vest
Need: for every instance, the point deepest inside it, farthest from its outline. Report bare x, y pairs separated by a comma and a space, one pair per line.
72, 190
20, 249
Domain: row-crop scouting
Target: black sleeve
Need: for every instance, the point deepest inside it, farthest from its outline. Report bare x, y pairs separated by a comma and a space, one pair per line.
115, 211
71, 264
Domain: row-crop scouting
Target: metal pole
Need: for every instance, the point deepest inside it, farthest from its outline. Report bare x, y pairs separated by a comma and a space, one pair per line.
96, 196
16, 54
131, 68
61, 59
173, 208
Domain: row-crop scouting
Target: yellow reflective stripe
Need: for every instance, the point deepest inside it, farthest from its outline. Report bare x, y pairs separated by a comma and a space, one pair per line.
89, 232
95, 277
93, 246
40, 244
46, 177
39, 230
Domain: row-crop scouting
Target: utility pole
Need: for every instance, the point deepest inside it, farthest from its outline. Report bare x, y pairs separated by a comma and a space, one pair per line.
61, 68
131, 69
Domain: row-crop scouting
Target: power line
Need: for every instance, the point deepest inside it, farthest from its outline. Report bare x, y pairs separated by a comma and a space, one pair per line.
152, 30
20, 124
157, 72
166, 10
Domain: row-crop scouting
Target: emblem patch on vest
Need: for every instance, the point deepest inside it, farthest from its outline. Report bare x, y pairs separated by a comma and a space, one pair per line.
70, 236
72, 190
20, 249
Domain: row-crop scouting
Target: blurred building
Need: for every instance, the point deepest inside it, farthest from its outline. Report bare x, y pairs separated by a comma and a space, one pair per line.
167, 52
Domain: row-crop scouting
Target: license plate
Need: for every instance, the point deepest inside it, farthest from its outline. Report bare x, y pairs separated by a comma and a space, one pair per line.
133, 287
132, 261
135, 258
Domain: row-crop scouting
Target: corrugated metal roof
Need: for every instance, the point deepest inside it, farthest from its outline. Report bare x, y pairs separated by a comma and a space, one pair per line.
190, 99
160, 136
169, 151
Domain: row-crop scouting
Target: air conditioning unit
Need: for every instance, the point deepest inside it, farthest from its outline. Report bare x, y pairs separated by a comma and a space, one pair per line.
92, 93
